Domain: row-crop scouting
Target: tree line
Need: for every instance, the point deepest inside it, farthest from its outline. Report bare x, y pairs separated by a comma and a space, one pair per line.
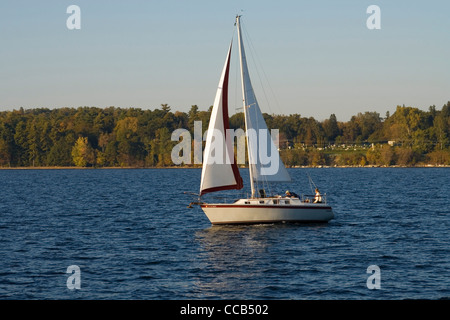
133, 137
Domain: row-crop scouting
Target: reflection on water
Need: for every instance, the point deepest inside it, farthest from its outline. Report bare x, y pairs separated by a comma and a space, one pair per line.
238, 261
229, 258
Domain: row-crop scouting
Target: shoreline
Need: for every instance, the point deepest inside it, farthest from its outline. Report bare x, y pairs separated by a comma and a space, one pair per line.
191, 167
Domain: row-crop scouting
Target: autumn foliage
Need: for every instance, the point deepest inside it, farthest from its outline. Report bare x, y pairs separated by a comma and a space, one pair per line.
133, 137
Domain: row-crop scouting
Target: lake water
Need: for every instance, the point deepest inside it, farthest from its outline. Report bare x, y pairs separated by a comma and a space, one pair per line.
133, 237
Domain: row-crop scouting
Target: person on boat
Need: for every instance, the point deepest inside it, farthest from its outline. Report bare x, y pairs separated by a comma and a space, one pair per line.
291, 194
318, 197
262, 193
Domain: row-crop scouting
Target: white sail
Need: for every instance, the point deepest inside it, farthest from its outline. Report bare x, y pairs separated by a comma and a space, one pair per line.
220, 171
261, 147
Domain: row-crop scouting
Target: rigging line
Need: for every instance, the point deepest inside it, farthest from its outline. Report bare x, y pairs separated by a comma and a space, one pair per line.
255, 63
311, 182
258, 63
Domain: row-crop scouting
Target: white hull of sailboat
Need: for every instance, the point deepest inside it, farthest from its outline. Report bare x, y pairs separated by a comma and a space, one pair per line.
237, 213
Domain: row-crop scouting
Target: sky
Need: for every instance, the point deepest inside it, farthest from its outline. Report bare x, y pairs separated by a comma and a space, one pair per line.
313, 58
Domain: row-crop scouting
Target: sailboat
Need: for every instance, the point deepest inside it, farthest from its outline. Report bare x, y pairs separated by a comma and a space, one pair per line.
220, 170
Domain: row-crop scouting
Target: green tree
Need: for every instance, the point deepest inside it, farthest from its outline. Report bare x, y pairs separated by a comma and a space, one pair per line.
404, 156
129, 146
60, 153
21, 143
439, 157
406, 126
440, 130
351, 131
386, 155
331, 128
161, 148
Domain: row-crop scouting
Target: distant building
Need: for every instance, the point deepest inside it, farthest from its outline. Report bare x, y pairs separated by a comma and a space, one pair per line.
391, 143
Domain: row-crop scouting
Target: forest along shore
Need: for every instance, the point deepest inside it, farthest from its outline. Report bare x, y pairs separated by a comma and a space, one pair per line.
198, 167
91, 137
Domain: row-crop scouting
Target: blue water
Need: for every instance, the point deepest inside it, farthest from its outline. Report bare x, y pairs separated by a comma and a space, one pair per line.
133, 237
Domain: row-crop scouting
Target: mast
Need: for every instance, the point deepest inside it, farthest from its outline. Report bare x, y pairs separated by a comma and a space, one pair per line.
244, 99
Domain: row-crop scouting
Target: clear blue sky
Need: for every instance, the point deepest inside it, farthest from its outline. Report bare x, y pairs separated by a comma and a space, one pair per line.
318, 56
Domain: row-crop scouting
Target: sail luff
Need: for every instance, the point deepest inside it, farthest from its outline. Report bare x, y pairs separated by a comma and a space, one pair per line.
220, 172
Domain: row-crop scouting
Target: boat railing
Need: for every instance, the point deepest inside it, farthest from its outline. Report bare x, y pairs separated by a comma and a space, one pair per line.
305, 198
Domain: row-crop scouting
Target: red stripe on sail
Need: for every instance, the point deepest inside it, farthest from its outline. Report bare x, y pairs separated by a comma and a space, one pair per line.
226, 125
229, 144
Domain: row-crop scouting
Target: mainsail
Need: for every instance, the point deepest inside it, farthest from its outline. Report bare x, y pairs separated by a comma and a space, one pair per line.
260, 143
220, 171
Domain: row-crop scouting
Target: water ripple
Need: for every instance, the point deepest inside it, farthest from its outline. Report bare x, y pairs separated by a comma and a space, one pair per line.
132, 236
